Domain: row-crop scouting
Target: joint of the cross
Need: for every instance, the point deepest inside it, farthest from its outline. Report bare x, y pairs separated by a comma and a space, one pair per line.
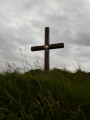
46, 46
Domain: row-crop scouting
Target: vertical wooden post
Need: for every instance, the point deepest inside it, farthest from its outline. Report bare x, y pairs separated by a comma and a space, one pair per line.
46, 66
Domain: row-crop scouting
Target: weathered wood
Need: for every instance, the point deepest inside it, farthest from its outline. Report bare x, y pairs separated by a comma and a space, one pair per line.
51, 46
56, 46
46, 63
37, 48
46, 47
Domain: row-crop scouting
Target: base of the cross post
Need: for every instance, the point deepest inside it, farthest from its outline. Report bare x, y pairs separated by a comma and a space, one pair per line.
46, 66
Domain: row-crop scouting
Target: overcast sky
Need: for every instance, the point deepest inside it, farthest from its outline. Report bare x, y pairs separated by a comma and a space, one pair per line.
22, 24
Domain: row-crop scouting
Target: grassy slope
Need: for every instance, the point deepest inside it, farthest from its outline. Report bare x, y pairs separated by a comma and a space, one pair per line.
60, 95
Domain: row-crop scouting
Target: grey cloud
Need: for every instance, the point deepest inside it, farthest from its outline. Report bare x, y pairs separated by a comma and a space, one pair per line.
29, 5
22, 24
7, 50
83, 39
81, 52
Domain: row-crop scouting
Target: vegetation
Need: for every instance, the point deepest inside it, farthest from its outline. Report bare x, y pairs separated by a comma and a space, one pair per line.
34, 95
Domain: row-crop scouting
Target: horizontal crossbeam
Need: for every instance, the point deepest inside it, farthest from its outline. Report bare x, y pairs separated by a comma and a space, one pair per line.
56, 46
37, 48
51, 46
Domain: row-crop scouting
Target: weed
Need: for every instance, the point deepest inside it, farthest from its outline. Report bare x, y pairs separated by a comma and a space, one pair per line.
60, 95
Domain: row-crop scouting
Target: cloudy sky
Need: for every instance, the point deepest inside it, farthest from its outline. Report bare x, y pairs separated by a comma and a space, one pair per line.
22, 24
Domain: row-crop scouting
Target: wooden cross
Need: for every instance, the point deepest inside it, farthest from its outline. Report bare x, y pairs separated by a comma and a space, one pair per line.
46, 47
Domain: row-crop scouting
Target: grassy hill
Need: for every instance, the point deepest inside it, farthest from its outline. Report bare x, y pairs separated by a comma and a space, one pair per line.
60, 95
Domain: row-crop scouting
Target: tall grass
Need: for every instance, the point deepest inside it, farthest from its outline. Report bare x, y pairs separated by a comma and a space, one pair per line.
34, 95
